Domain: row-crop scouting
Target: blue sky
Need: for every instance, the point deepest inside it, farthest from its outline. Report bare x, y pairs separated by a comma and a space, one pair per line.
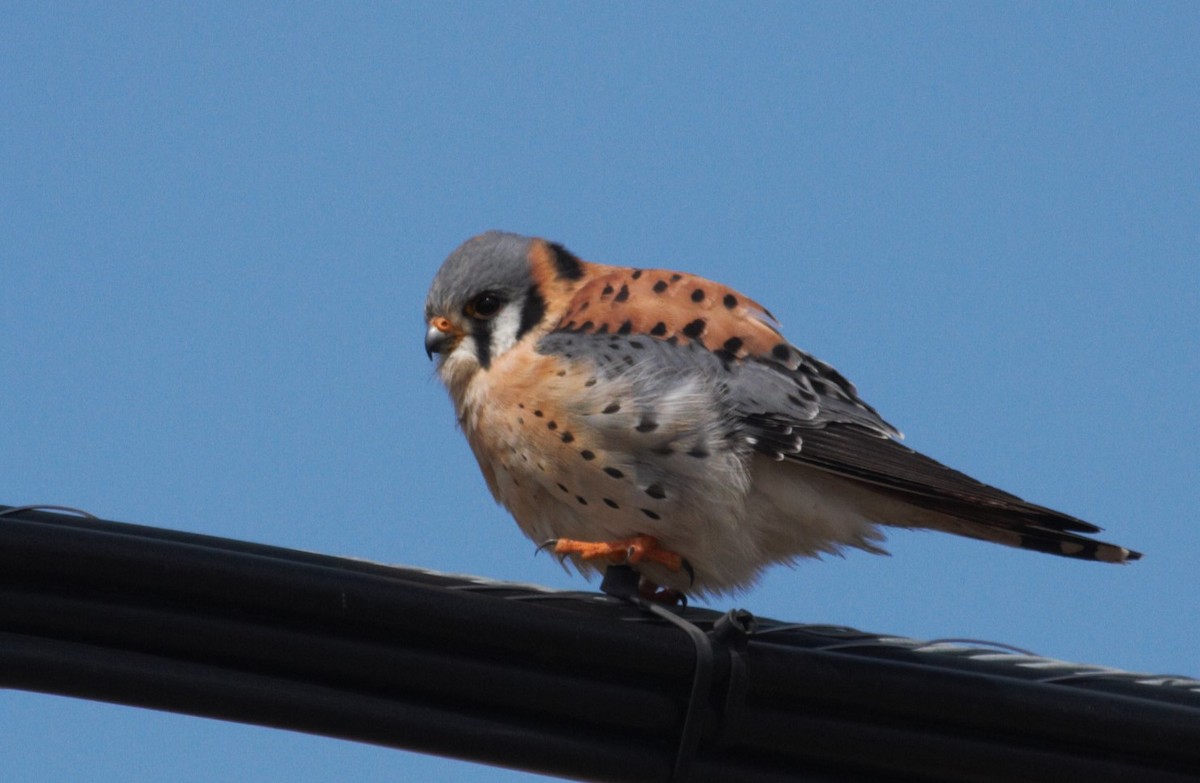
218, 223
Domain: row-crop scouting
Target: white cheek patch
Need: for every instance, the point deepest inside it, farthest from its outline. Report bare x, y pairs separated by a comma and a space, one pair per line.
505, 326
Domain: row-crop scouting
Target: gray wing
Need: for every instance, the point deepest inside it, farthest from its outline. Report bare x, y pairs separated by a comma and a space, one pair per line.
805, 412
839, 433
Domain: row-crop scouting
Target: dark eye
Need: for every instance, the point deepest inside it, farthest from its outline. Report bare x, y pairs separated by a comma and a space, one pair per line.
484, 306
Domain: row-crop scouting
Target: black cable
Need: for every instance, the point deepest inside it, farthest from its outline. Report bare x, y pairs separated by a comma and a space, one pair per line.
574, 684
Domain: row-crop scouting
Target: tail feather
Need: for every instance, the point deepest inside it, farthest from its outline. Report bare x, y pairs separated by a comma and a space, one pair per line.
941, 498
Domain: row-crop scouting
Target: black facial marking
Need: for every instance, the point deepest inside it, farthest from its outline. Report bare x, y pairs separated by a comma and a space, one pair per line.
482, 332
733, 344
566, 265
660, 286
611, 503
588, 454
614, 473
730, 301
651, 514
533, 310
625, 328
695, 328
659, 329
622, 295
698, 295
656, 491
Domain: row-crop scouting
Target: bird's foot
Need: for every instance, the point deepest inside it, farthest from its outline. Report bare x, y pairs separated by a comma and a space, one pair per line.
630, 550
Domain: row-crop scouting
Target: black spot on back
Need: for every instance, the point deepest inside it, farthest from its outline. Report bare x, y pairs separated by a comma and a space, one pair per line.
567, 437
610, 503
586, 326
651, 514
588, 454
675, 278
699, 453
608, 289
698, 295
614, 473
647, 425
566, 265
695, 328
730, 301
613, 408
622, 295
660, 286
659, 329
656, 491
636, 274
782, 352
582, 502
733, 344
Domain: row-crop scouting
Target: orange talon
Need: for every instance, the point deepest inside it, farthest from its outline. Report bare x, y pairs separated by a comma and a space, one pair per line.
629, 550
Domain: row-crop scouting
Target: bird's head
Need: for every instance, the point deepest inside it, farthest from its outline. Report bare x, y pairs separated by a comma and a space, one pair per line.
489, 294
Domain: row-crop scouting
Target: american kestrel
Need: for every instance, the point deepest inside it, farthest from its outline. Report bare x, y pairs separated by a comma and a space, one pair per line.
661, 419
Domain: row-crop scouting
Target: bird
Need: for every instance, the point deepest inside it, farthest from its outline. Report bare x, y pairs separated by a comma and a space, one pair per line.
660, 420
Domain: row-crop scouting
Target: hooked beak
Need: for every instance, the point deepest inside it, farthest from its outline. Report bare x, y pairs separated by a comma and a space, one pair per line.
440, 337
